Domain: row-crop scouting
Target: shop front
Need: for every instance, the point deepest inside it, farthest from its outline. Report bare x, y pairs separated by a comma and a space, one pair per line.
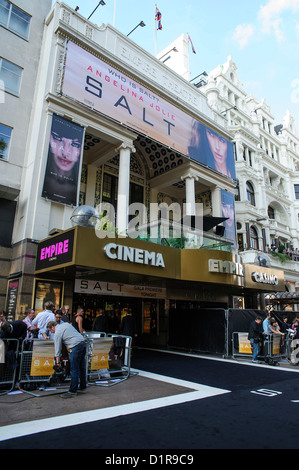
158, 284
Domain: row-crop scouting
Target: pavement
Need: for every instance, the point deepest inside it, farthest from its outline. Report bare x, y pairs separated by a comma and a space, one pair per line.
160, 382
19, 407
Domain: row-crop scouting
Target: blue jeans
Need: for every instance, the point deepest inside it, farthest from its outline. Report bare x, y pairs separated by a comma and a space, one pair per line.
256, 350
77, 359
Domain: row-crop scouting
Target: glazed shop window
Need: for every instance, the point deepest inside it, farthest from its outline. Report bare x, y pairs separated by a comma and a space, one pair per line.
10, 76
14, 19
5, 136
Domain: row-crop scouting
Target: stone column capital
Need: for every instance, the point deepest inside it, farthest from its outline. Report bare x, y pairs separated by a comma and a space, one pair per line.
125, 146
189, 175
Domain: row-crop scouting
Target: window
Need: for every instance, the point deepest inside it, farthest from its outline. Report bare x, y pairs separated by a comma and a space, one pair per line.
10, 76
5, 135
7, 215
14, 19
136, 193
254, 241
250, 193
271, 212
296, 186
110, 184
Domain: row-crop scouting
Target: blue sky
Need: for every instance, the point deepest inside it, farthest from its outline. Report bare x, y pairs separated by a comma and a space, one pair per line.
262, 36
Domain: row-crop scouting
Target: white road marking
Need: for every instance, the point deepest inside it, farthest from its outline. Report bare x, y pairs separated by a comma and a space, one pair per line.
49, 424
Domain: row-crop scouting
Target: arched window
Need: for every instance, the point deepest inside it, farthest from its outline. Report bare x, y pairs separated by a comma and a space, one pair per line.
254, 241
250, 193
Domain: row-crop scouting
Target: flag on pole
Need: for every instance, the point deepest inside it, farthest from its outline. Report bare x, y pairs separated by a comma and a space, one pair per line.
158, 19
193, 50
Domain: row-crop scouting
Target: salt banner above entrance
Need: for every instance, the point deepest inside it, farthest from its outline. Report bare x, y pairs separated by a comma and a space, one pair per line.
85, 286
97, 85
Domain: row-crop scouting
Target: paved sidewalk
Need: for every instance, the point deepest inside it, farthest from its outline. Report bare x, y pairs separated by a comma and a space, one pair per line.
23, 407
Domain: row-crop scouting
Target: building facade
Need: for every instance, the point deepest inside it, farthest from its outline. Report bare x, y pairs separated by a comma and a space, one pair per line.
267, 155
21, 30
112, 133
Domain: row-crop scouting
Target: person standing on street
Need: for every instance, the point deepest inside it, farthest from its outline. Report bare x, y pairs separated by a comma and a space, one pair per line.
30, 314
100, 322
66, 334
255, 337
43, 318
77, 320
128, 325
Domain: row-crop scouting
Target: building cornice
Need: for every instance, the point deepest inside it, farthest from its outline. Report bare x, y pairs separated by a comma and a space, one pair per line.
138, 64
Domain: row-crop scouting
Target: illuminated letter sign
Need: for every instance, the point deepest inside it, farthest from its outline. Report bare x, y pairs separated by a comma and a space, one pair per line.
55, 251
134, 255
225, 267
264, 278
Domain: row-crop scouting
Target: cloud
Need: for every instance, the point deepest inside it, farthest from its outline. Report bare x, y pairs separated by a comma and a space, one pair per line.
242, 34
269, 20
269, 16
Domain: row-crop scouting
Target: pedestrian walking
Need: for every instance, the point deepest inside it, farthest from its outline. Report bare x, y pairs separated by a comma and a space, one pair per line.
255, 337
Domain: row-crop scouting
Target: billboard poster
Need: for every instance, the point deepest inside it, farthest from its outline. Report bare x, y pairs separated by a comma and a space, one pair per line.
94, 83
64, 159
228, 211
11, 298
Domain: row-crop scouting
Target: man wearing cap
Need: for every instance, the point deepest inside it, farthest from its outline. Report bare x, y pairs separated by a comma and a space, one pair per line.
65, 333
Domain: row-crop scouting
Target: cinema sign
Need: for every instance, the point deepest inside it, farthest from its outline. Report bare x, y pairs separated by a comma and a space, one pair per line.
134, 255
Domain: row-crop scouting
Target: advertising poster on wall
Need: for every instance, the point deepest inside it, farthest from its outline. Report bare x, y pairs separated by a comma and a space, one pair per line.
228, 211
47, 291
11, 298
64, 160
94, 83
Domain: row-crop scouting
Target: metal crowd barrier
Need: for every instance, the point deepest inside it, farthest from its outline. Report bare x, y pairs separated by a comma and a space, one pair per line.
291, 348
109, 357
270, 351
9, 354
36, 365
241, 345
108, 360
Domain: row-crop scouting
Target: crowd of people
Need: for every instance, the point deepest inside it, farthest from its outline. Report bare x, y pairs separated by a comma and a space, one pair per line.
261, 330
292, 253
66, 332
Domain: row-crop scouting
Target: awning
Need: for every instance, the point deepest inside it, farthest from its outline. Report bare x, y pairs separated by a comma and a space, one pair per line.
208, 222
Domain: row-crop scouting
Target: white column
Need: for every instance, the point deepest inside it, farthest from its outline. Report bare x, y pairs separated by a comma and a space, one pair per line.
123, 195
216, 202
91, 184
190, 193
